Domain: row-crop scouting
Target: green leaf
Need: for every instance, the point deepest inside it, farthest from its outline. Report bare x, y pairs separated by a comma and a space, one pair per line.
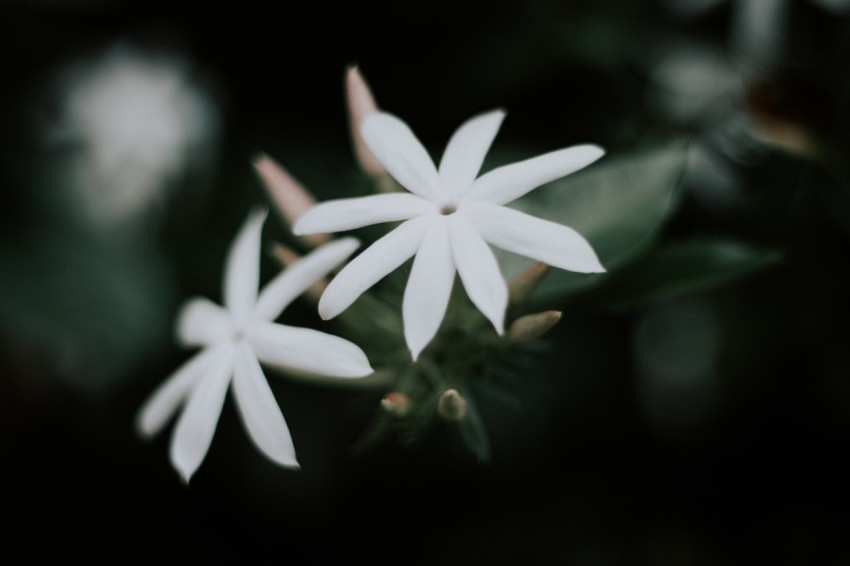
72, 294
618, 204
682, 268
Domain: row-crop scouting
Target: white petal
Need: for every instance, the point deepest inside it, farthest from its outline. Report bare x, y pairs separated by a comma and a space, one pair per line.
259, 410
478, 270
242, 275
164, 401
372, 265
397, 148
428, 288
549, 242
201, 322
351, 213
509, 182
300, 275
196, 426
306, 350
466, 150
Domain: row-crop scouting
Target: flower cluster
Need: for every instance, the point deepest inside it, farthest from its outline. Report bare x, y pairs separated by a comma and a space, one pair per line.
449, 216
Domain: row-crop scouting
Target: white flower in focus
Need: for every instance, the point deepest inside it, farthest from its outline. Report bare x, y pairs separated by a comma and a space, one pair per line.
449, 218
235, 339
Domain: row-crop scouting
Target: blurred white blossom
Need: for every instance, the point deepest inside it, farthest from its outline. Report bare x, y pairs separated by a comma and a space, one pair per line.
141, 121
758, 28
694, 84
449, 219
235, 338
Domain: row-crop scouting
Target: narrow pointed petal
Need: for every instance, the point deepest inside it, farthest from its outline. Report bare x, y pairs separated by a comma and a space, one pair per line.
195, 428
509, 182
478, 271
361, 103
466, 150
286, 256
259, 410
167, 398
201, 322
429, 287
398, 149
298, 277
290, 198
242, 274
523, 234
307, 351
372, 265
350, 213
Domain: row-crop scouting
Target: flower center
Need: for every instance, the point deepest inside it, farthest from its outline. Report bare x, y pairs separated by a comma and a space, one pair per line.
447, 209
238, 329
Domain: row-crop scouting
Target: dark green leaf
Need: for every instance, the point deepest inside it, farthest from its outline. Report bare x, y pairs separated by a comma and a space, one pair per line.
685, 267
618, 204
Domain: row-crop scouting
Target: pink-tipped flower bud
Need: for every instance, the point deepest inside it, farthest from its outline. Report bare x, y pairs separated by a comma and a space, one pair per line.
290, 198
523, 284
360, 104
397, 404
530, 327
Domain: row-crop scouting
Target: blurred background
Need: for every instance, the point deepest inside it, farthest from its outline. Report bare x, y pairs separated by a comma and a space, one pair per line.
692, 408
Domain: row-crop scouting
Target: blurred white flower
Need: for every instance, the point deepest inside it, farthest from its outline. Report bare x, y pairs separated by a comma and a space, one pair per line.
235, 339
142, 122
694, 84
449, 218
758, 28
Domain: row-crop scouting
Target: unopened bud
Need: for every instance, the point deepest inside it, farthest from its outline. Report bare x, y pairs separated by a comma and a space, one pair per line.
360, 104
395, 403
523, 284
286, 256
290, 198
530, 327
452, 406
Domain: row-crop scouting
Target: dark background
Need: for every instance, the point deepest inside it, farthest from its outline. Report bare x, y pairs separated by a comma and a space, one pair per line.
584, 470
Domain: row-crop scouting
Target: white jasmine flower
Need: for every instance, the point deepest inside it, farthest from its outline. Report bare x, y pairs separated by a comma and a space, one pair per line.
235, 339
142, 122
449, 218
